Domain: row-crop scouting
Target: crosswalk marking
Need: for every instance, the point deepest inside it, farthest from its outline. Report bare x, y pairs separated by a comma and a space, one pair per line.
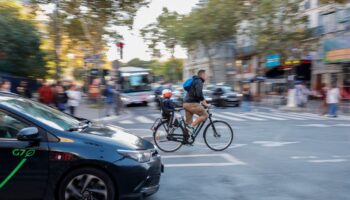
227, 117
287, 116
149, 118
125, 122
244, 116
265, 115
144, 120
307, 117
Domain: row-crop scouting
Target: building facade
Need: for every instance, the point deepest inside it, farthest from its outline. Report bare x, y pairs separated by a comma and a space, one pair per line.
217, 61
331, 60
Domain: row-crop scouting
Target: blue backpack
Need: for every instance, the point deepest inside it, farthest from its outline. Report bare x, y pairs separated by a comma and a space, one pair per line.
188, 84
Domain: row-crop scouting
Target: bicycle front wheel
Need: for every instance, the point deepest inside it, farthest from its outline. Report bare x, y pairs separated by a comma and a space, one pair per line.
162, 138
218, 135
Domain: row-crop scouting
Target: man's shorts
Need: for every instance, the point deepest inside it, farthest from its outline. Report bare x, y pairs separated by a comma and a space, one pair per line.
194, 108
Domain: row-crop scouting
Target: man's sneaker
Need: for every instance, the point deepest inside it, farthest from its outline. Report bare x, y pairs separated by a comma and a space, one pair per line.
190, 129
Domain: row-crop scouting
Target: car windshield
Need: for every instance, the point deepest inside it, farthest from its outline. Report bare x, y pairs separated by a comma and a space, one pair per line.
43, 113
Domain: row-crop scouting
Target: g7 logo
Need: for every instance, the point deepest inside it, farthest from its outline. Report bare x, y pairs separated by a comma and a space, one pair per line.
25, 153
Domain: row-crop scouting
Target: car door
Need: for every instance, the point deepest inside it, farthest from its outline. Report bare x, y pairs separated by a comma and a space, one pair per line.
23, 164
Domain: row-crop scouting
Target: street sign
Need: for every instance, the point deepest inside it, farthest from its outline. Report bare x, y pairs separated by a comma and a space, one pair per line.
93, 58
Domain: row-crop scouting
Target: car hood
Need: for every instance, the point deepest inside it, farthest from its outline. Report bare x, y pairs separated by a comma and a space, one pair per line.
113, 135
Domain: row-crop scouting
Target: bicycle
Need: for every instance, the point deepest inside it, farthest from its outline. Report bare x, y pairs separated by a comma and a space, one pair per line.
169, 136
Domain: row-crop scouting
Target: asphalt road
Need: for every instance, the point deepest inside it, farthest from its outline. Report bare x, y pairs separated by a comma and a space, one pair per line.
275, 156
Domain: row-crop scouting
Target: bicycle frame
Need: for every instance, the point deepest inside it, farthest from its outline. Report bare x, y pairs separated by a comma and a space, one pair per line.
199, 127
178, 137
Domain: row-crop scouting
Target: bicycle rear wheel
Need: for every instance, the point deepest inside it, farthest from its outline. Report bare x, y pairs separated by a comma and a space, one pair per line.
161, 138
218, 135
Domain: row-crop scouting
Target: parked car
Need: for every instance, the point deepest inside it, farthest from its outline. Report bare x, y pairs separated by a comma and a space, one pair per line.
223, 96
47, 154
208, 95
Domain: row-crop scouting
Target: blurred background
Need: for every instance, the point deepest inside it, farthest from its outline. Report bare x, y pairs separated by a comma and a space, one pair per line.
275, 49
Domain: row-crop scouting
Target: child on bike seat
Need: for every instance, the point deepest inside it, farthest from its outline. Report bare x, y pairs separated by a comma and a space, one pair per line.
168, 106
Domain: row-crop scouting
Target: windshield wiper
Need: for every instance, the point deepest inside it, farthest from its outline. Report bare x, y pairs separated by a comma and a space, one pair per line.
83, 124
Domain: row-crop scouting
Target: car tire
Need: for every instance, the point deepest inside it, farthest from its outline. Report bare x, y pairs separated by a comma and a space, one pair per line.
94, 179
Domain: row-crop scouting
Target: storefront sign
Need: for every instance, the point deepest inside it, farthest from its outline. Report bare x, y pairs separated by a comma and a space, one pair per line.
337, 49
273, 60
338, 55
292, 62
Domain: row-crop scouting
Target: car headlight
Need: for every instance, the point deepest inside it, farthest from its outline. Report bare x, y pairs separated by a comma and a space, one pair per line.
125, 99
239, 95
139, 156
223, 96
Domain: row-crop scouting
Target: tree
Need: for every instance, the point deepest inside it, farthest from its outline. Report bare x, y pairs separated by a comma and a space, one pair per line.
334, 1
163, 32
207, 26
20, 52
136, 62
276, 26
88, 25
173, 69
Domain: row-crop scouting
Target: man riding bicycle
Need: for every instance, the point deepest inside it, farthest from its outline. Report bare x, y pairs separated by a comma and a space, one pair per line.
194, 102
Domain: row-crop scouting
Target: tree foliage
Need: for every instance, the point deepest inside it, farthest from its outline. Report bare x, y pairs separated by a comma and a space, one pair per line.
334, 1
273, 26
163, 32
276, 26
20, 52
92, 22
170, 70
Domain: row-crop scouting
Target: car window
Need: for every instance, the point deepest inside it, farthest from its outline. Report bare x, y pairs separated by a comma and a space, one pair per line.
9, 126
43, 113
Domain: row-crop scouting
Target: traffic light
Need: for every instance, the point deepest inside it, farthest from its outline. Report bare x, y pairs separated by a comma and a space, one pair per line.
120, 46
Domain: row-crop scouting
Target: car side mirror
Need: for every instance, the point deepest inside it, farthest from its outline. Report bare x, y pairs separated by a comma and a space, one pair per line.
28, 134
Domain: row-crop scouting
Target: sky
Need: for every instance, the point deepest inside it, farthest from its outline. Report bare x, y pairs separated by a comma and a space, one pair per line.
135, 46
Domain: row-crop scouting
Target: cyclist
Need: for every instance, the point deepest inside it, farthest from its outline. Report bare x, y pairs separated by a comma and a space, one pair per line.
193, 103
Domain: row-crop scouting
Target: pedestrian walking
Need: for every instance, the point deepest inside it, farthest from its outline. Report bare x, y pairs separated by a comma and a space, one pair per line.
5, 86
302, 94
74, 97
45, 94
109, 94
60, 98
333, 97
246, 99
323, 96
94, 91
23, 90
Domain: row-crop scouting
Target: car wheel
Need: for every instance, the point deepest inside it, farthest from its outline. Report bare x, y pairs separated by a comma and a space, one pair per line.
87, 183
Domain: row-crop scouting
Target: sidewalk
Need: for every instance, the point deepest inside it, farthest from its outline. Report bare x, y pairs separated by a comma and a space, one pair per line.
278, 102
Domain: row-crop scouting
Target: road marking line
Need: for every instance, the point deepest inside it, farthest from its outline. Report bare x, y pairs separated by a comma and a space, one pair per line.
200, 165
308, 116
303, 157
273, 143
244, 116
315, 125
125, 122
227, 117
192, 156
328, 161
231, 160
265, 115
144, 120
287, 116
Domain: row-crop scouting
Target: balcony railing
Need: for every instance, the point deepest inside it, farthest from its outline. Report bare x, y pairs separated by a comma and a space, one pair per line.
316, 31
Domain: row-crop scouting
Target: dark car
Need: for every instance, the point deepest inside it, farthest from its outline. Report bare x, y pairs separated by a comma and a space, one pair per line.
223, 96
47, 154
